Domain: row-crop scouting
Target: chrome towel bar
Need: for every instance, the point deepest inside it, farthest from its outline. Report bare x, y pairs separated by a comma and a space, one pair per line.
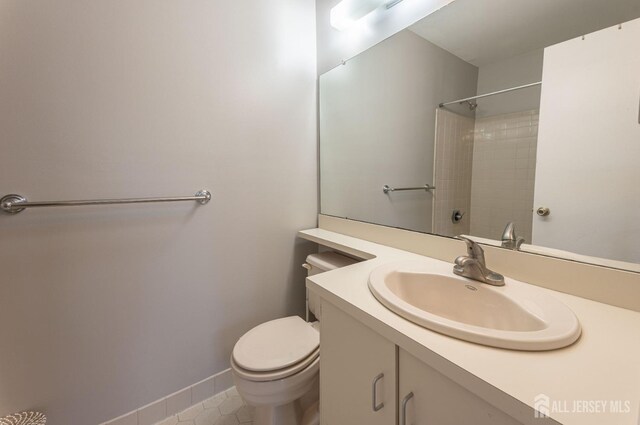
386, 188
13, 203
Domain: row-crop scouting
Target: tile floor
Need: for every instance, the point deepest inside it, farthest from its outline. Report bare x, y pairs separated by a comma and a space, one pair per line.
226, 408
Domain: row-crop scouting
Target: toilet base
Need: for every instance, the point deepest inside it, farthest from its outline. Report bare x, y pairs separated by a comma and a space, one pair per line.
286, 414
312, 415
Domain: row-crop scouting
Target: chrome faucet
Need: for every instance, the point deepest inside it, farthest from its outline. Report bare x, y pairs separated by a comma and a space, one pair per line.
509, 238
473, 266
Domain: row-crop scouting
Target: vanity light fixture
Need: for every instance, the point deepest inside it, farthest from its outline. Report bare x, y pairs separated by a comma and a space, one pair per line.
346, 13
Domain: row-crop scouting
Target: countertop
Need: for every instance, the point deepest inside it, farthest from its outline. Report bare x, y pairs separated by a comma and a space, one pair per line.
599, 371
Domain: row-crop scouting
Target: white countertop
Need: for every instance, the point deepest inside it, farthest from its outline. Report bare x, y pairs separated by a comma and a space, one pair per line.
602, 366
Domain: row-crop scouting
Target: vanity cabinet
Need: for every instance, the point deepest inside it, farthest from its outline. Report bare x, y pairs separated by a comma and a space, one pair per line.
366, 379
428, 397
357, 372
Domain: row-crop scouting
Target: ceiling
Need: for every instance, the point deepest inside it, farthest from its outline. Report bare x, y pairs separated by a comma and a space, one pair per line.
485, 31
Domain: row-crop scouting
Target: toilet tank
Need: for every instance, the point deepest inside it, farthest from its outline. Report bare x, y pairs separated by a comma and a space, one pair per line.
320, 263
325, 261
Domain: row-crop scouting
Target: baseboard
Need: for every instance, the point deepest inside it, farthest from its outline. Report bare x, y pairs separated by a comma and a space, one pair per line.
168, 406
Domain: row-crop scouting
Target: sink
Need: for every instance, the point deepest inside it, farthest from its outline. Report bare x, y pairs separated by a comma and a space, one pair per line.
516, 316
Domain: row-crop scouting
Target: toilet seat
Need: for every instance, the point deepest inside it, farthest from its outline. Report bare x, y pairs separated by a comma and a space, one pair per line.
276, 349
274, 375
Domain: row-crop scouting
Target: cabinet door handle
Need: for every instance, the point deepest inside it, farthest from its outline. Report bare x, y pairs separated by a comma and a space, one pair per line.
374, 394
403, 411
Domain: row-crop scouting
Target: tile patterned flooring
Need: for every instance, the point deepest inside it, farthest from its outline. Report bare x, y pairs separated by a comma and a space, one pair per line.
226, 408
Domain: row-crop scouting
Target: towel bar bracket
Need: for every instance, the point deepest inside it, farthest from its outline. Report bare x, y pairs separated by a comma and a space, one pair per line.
8, 203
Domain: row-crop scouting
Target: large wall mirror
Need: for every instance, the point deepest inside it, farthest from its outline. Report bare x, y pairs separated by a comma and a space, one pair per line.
494, 115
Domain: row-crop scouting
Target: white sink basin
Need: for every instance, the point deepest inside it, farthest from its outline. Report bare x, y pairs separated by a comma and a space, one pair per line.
515, 316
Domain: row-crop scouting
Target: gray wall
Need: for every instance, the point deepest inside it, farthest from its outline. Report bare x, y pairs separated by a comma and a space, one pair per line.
103, 310
377, 127
516, 71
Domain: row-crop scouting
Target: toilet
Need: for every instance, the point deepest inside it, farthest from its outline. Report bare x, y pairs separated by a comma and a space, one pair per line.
276, 365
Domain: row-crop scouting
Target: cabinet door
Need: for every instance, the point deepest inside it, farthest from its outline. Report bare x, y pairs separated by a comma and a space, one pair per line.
352, 356
439, 401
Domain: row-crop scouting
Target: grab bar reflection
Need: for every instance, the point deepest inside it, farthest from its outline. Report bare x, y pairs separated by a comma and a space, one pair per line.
386, 188
13, 204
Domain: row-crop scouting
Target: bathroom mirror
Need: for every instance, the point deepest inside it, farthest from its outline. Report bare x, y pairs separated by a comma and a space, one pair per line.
490, 112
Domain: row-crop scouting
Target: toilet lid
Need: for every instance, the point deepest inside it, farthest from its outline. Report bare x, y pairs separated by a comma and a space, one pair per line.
276, 344
274, 375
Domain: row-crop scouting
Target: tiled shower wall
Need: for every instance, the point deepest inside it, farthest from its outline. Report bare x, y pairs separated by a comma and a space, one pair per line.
504, 160
452, 175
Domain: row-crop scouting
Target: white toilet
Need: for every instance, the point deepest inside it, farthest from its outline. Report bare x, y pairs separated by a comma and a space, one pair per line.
276, 365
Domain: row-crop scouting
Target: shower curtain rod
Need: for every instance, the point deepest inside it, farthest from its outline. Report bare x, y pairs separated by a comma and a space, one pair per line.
467, 99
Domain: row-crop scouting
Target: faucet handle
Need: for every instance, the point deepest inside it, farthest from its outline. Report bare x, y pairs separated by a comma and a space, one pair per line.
510, 239
474, 250
509, 233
